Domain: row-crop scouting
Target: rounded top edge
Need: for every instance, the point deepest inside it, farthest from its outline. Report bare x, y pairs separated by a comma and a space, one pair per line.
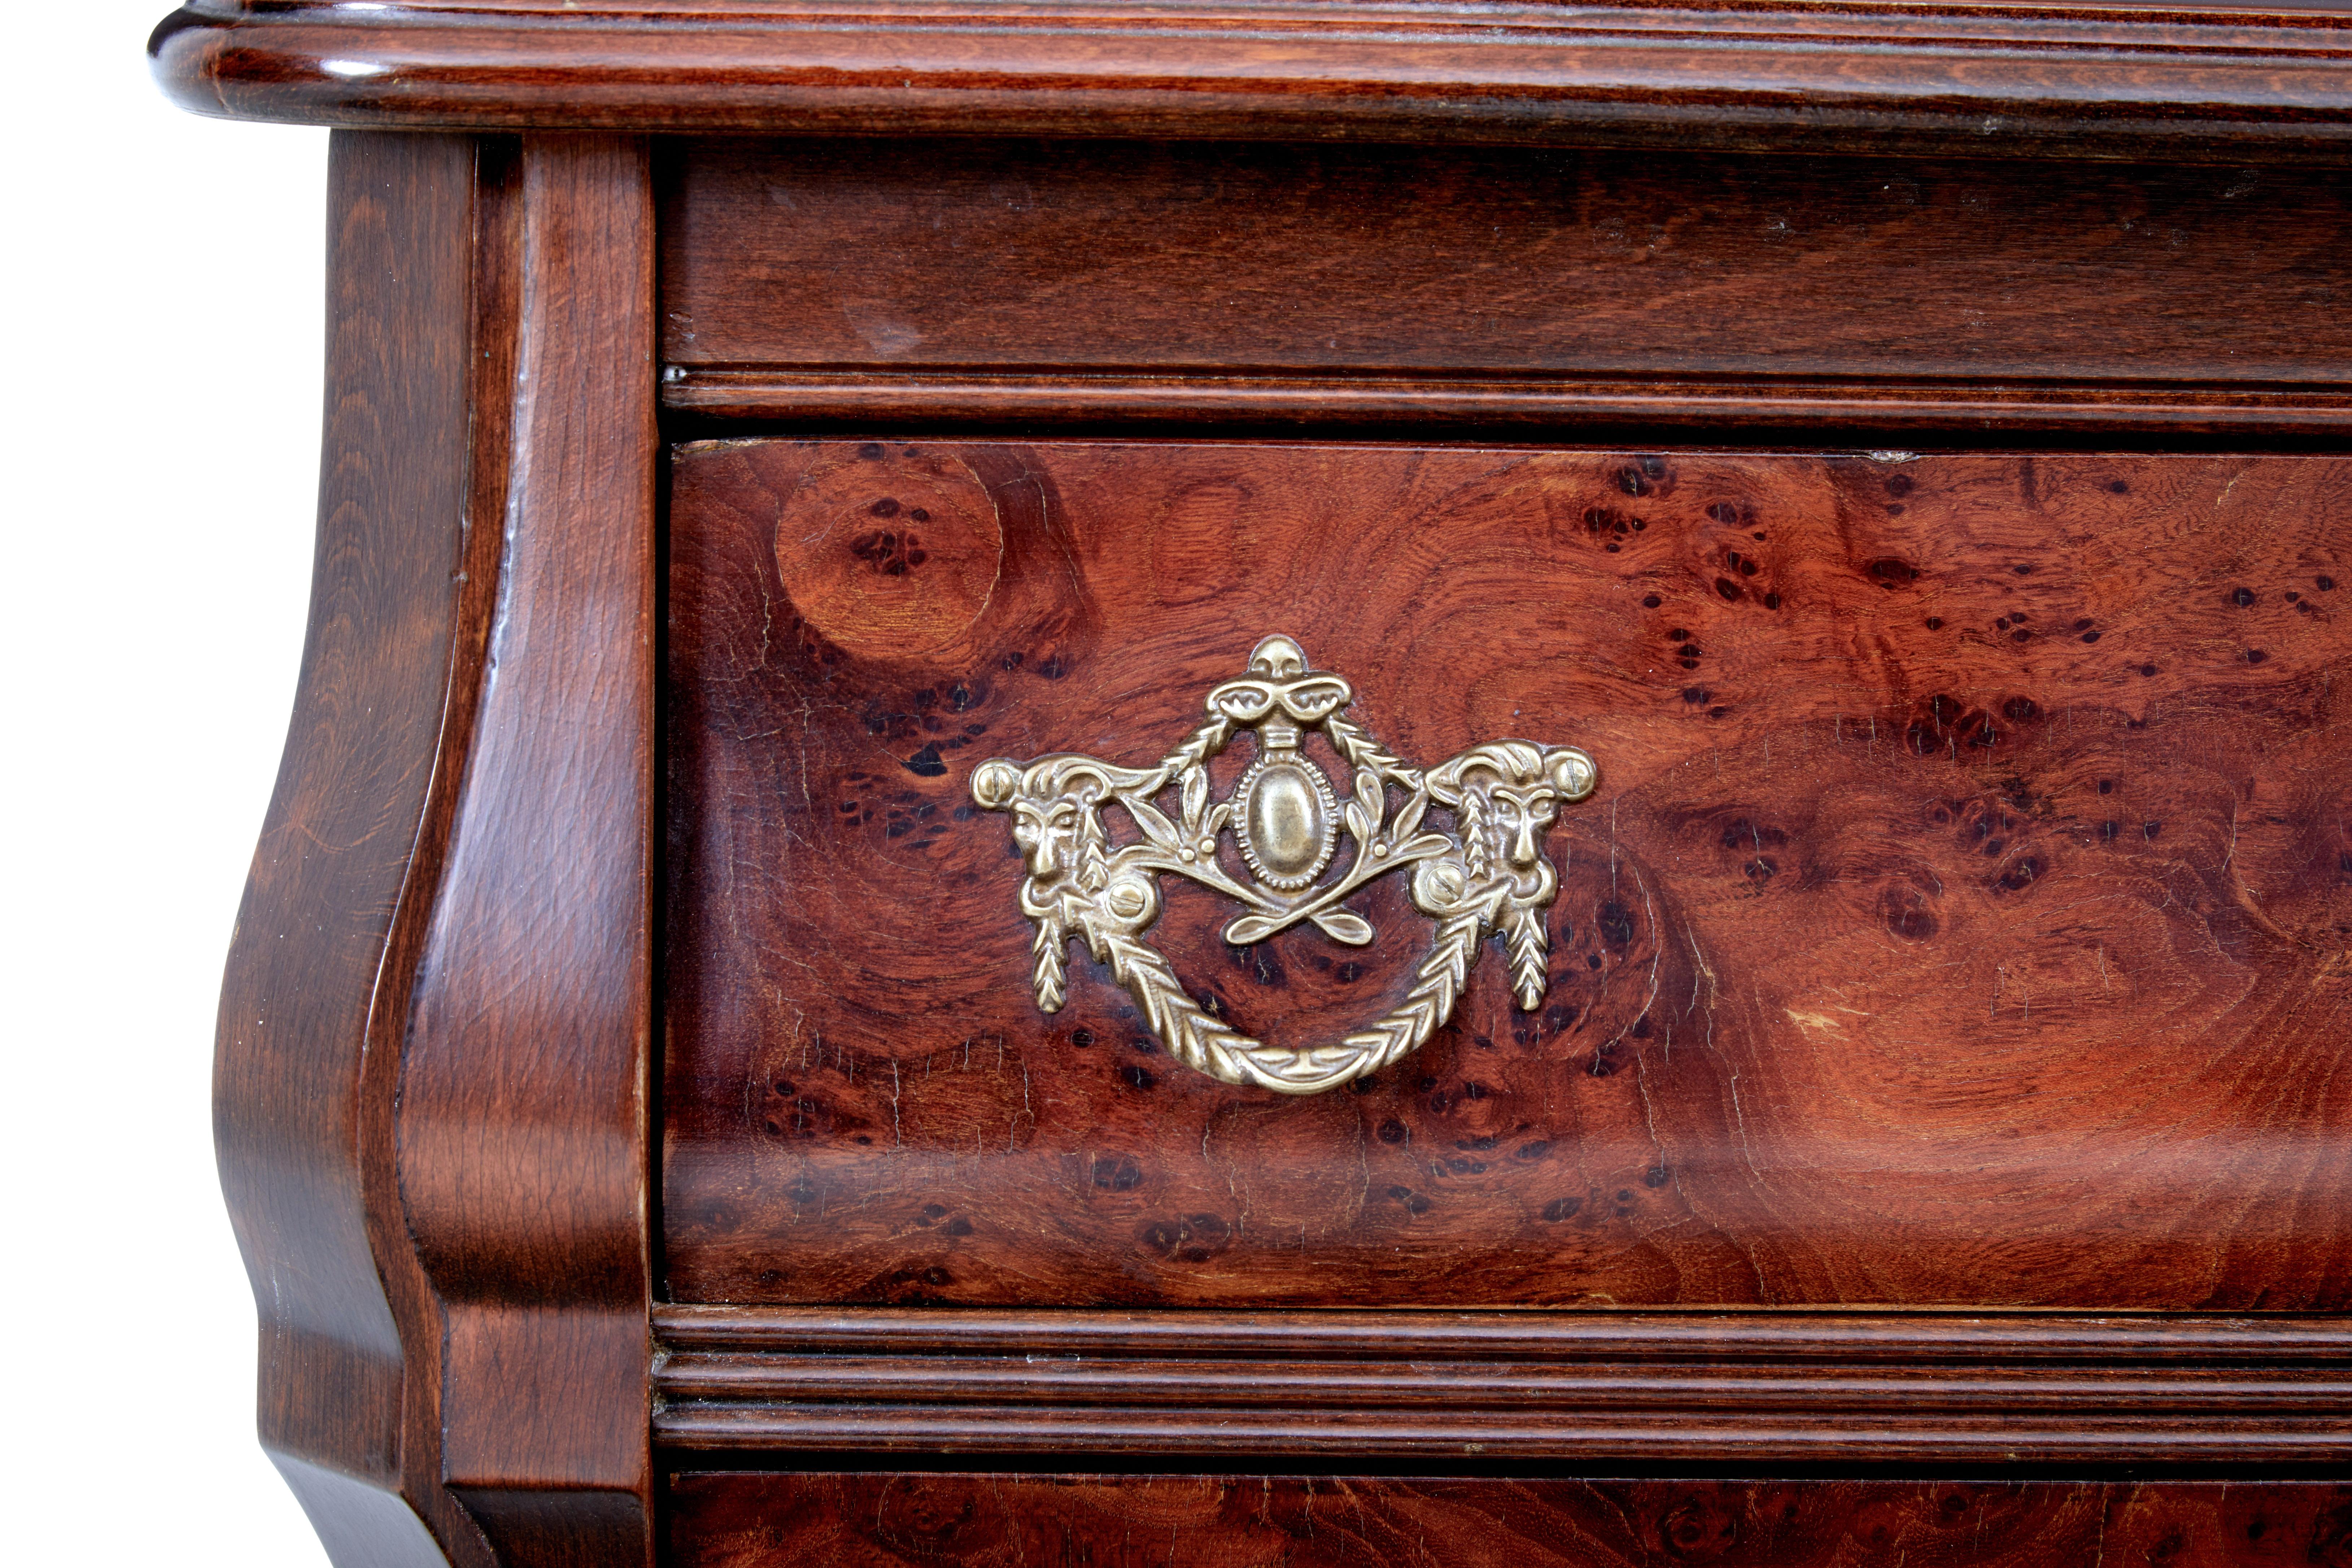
1860, 75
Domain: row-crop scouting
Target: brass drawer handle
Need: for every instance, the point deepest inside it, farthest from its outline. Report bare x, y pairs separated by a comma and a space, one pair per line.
1489, 874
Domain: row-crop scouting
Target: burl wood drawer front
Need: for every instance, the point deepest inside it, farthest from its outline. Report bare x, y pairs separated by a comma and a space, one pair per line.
1339, 1522
1960, 918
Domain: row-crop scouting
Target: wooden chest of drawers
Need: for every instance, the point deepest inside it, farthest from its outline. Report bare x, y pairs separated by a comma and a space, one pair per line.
1311, 784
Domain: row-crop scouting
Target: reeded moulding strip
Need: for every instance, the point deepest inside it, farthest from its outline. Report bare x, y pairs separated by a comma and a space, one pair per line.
1410, 1334
773, 394
1912, 1388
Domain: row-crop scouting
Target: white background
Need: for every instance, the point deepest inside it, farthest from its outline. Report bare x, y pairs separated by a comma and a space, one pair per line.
165, 275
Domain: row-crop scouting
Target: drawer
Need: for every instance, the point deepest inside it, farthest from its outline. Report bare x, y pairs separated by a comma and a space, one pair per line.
1569, 791
1958, 920
821, 283
721, 1521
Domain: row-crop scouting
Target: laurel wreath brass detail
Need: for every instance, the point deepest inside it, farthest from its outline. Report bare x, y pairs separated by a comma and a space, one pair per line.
1489, 874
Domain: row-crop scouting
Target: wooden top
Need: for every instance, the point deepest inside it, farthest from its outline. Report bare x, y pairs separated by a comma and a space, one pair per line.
2230, 80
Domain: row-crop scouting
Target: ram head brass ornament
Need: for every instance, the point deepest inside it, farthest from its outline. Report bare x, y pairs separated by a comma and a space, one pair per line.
1489, 874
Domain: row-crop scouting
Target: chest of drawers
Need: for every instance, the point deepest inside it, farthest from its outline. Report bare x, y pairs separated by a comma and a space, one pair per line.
1313, 784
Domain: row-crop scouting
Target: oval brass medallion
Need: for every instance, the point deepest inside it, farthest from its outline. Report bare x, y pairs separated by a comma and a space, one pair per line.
1288, 824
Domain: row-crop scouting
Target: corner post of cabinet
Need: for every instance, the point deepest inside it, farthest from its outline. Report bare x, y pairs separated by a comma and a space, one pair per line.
522, 1120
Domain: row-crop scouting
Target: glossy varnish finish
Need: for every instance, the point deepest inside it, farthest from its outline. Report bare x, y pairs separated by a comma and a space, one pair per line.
1960, 920
1467, 1390
523, 1082
2231, 82
433, 1052
1338, 1521
1314, 285
1943, 1068
315, 1000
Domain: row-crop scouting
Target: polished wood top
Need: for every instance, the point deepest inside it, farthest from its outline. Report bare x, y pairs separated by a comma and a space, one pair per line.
2228, 81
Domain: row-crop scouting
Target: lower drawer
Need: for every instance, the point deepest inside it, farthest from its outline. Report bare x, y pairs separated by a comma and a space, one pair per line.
752, 1520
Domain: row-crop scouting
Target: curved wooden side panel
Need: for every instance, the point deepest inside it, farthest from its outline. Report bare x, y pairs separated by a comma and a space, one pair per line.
429, 1100
315, 999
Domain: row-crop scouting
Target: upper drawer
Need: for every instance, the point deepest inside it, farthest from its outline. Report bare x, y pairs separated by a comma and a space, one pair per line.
1960, 918
946, 273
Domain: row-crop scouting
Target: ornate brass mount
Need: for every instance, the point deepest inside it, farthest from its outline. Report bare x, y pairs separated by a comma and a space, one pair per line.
1489, 874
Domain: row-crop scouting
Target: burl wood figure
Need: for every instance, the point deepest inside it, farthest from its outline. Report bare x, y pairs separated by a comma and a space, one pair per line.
1959, 919
991, 1522
1142, 782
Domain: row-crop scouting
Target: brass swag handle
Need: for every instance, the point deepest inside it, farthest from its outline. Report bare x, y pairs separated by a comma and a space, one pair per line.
1489, 874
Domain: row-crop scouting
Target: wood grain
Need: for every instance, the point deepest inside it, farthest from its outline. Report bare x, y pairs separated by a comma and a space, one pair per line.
315, 1004
435, 1159
1944, 1064
1026, 281
1524, 407
2229, 83
1469, 1338
1960, 920
1475, 1389
523, 1081
721, 1521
